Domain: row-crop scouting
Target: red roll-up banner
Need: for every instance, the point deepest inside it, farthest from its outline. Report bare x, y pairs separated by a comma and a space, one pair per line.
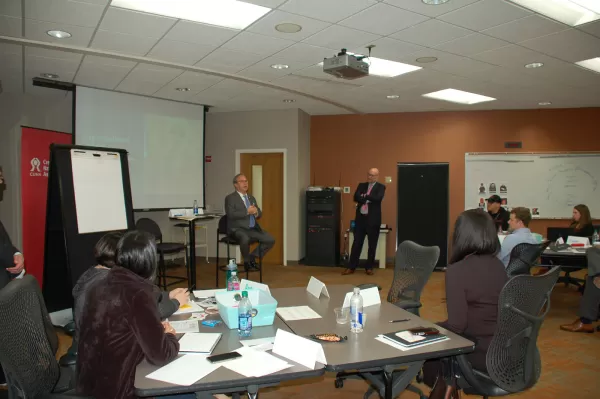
35, 163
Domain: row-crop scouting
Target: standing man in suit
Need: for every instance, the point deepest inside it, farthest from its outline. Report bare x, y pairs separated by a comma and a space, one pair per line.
368, 197
242, 214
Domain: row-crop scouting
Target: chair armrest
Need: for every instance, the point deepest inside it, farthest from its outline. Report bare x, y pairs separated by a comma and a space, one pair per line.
68, 360
407, 304
69, 328
471, 376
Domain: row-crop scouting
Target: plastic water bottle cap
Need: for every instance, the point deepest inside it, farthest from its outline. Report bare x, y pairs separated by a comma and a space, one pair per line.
244, 294
233, 273
356, 290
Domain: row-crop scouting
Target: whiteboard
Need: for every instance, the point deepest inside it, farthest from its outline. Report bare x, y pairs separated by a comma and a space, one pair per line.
99, 194
549, 184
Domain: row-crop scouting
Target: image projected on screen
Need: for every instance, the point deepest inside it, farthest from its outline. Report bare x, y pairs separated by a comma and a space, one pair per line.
99, 194
164, 140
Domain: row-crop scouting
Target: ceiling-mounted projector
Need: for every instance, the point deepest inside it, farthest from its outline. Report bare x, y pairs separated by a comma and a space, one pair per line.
346, 66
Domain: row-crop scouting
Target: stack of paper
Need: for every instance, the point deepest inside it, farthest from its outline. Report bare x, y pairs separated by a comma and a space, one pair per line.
184, 371
255, 364
185, 326
190, 307
199, 342
297, 313
207, 293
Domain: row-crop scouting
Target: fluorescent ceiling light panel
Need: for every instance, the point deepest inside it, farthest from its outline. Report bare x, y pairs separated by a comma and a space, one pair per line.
591, 64
570, 12
227, 13
458, 96
386, 68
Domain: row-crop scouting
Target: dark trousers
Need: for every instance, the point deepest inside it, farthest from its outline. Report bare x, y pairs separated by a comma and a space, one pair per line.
363, 229
247, 236
590, 302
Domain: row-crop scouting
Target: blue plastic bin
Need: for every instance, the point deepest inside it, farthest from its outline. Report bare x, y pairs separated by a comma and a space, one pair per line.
264, 304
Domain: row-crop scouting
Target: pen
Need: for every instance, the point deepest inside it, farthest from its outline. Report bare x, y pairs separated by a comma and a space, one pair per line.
399, 321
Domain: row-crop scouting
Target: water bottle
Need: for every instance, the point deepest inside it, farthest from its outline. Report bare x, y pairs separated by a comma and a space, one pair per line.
245, 316
195, 207
233, 284
596, 238
356, 312
231, 267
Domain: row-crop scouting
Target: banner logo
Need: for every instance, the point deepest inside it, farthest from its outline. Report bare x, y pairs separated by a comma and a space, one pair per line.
35, 165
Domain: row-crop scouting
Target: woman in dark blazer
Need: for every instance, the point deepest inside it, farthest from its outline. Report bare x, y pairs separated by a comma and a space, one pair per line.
474, 280
581, 225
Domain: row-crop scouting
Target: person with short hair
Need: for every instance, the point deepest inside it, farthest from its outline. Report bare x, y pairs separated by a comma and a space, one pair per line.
519, 233
474, 280
497, 212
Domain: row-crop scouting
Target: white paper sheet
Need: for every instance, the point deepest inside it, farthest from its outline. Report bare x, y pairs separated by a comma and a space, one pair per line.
403, 348
316, 288
185, 370
245, 284
297, 313
255, 363
185, 326
207, 293
298, 349
257, 341
190, 307
199, 342
370, 297
62, 317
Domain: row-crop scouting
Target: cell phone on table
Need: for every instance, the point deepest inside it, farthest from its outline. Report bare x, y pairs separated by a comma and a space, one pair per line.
223, 357
424, 331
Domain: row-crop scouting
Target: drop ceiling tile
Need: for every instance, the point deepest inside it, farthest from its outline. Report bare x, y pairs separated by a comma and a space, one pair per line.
261, 73
207, 35
123, 43
35, 70
569, 45
64, 11
11, 8
92, 59
139, 86
153, 73
485, 14
96, 72
257, 44
315, 73
211, 97
566, 73
180, 52
36, 30
10, 26
330, 11
266, 3
9, 48
431, 33
266, 25
228, 61
383, 19
338, 37
45, 53
525, 28
472, 44
194, 81
512, 56
58, 66
135, 23
98, 2
11, 81
593, 28
302, 53
11, 62
429, 10
390, 49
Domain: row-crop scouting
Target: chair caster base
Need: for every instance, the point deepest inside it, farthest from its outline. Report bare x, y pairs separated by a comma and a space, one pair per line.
339, 383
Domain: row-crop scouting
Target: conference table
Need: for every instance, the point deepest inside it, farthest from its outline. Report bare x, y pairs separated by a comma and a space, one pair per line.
361, 352
569, 260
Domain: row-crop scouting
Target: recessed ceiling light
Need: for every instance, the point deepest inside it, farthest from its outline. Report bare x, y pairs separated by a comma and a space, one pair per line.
458, 96
59, 34
227, 13
49, 75
287, 100
386, 68
393, 96
545, 103
280, 66
534, 65
435, 2
570, 12
288, 27
424, 60
592, 64
183, 89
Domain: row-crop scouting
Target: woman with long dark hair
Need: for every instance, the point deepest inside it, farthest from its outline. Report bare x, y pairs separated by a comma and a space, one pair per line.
581, 224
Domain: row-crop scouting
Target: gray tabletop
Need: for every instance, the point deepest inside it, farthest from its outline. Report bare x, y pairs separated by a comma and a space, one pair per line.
222, 378
362, 350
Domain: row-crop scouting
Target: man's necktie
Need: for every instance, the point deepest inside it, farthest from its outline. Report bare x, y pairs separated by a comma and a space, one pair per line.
252, 218
364, 209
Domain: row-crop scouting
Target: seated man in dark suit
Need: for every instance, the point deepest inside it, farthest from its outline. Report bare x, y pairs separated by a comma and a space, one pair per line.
242, 213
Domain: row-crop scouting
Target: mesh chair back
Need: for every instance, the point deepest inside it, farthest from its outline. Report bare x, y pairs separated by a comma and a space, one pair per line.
149, 226
522, 257
414, 265
513, 360
28, 342
222, 228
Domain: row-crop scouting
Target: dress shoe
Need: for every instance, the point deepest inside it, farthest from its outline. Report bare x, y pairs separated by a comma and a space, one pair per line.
347, 271
369, 272
578, 326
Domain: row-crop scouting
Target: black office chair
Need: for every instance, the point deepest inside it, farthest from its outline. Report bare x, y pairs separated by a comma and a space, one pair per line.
523, 257
513, 359
28, 344
164, 248
224, 238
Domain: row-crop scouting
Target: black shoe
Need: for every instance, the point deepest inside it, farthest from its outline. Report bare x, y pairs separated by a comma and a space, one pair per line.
254, 265
250, 266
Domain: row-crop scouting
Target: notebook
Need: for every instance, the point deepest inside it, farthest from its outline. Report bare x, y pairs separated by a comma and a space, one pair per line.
409, 340
199, 342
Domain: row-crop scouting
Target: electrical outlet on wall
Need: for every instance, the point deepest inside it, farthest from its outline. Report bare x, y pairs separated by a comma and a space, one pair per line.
388, 179
346, 190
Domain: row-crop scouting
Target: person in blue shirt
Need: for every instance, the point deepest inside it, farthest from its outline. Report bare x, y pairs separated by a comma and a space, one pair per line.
519, 233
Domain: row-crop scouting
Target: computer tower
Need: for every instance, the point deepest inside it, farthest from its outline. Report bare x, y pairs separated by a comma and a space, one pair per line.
323, 224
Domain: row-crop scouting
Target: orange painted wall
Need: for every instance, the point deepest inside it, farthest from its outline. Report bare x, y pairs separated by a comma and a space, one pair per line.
348, 145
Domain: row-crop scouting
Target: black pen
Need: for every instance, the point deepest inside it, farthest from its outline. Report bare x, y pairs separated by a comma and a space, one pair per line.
399, 321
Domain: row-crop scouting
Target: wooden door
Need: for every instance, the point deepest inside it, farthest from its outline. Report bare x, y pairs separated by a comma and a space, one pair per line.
265, 182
